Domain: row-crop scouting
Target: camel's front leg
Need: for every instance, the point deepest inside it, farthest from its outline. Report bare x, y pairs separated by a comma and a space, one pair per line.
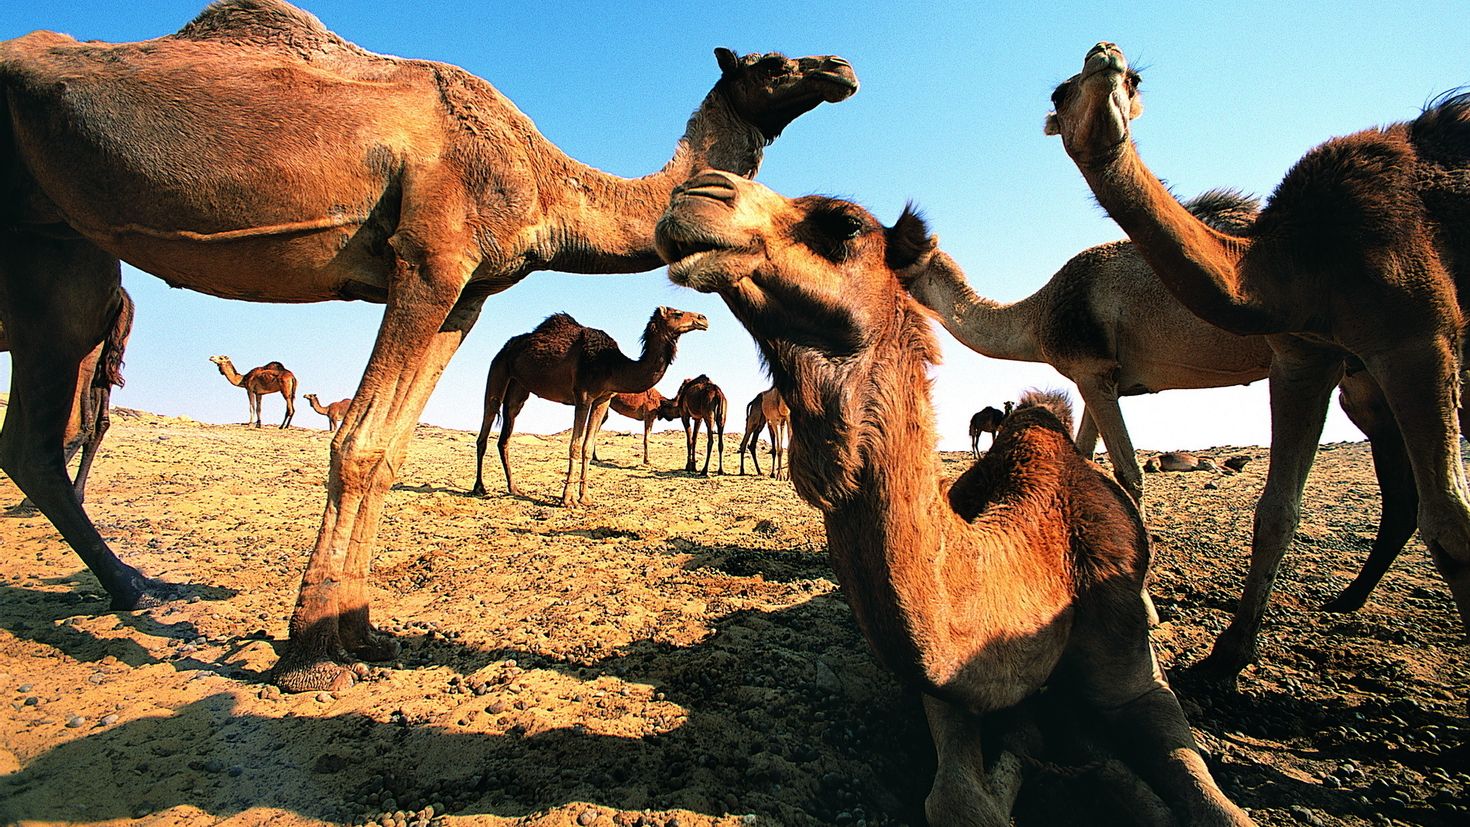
1086, 433
424, 323
965, 794
1103, 411
597, 413
581, 410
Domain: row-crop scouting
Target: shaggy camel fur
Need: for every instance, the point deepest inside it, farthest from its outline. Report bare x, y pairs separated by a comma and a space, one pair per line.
1027, 572
766, 410
562, 361
1352, 265
334, 412
272, 377
90, 417
256, 155
646, 407
701, 401
986, 421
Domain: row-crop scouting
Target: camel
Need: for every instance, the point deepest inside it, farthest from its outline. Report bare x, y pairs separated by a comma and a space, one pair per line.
1178, 461
271, 377
562, 361
1026, 572
256, 155
646, 407
91, 407
333, 412
986, 421
701, 401
766, 410
1352, 267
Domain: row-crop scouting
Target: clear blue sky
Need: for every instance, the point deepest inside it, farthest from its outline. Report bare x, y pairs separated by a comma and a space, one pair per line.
949, 115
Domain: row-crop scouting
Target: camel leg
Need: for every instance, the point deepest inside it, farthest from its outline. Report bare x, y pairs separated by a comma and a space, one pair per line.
290, 410
688, 444
1301, 381
510, 408
589, 446
964, 793
99, 400
720, 441
975, 444
1086, 432
709, 441
581, 410
1365, 405
1106, 416
496, 385
647, 426
58, 298
425, 321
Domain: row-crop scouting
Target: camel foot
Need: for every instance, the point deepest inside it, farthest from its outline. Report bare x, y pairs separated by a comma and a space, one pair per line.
1345, 602
1217, 669
478, 490
24, 508
308, 673
377, 647
138, 592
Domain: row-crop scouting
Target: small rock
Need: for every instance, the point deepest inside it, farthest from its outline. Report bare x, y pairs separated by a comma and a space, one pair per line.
75, 721
23, 688
323, 697
586, 817
108, 720
31, 701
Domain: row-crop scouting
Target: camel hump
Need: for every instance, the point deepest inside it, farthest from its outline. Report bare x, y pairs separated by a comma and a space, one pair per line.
1226, 210
266, 23
274, 366
1052, 400
556, 321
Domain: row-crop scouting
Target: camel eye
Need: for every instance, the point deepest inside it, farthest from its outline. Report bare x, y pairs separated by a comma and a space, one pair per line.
829, 232
1058, 94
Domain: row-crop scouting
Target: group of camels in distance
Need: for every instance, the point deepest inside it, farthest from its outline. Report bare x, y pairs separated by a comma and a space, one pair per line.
417, 185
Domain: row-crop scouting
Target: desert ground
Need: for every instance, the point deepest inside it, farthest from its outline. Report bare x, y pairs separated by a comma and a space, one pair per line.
675, 654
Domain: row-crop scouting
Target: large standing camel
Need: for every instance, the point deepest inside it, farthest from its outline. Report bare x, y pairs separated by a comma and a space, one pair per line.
271, 377
1352, 265
256, 155
701, 401
562, 361
646, 407
766, 410
333, 412
1026, 572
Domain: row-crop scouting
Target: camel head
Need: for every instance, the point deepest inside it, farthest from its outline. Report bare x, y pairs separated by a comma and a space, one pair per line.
1094, 106
814, 271
311, 396
220, 360
677, 322
771, 90
668, 409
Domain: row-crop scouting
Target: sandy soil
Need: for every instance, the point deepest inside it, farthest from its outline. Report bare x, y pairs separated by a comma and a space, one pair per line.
677, 654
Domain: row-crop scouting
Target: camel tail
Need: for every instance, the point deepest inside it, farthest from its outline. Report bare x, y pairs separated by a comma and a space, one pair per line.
110, 365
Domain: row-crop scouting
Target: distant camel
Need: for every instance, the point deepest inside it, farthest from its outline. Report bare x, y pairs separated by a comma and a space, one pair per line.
334, 412
256, 155
91, 406
986, 421
562, 361
766, 410
272, 377
701, 401
646, 407
1026, 572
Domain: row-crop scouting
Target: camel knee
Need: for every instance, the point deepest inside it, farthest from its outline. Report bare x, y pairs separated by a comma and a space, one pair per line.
359, 467
1276, 517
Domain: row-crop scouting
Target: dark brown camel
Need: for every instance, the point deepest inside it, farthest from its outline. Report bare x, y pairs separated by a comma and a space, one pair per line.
334, 412
271, 377
646, 407
562, 361
256, 155
1355, 265
1026, 572
986, 421
766, 410
701, 401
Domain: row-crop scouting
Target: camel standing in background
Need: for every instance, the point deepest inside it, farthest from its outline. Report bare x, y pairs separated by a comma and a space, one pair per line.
334, 412
646, 407
1026, 572
91, 406
766, 410
271, 377
563, 361
257, 155
987, 420
1352, 267
701, 401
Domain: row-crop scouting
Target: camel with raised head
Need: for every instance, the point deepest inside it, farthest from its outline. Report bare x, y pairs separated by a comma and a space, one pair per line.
986, 421
1351, 267
334, 412
701, 401
256, 155
646, 407
1026, 572
766, 410
563, 361
271, 377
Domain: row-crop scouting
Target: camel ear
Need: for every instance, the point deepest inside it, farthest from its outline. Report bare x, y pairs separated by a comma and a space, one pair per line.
728, 60
908, 240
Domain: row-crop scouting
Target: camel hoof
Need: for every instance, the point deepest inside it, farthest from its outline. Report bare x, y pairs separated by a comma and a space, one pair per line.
478, 491
377, 648
1344, 603
314, 675
1216, 670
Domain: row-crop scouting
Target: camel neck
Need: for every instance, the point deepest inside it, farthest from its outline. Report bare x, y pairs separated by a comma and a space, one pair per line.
986, 326
1198, 264
227, 370
601, 223
316, 406
659, 346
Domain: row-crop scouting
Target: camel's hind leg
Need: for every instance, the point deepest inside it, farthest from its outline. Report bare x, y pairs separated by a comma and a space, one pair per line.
510, 408
496, 383
58, 299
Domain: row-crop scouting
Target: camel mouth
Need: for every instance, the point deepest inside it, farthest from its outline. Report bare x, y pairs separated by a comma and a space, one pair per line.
1104, 57
841, 83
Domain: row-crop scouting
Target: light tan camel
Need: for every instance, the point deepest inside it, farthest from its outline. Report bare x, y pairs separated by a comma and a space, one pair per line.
986, 421
91, 406
646, 407
563, 361
1353, 264
700, 401
334, 412
1025, 573
256, 155
766, 410
271, 377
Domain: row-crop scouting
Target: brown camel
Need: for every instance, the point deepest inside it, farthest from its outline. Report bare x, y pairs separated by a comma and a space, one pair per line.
1352, 266
562, 361
91, 406
333, 412
766, 410
986, 421
646, 407
272, 377
1026, 572
701, 401
256, 155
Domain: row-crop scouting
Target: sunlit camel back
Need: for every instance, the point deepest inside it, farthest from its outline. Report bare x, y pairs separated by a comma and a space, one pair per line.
270, 378
1352, 266
256, 155
334, 412
1026, 572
